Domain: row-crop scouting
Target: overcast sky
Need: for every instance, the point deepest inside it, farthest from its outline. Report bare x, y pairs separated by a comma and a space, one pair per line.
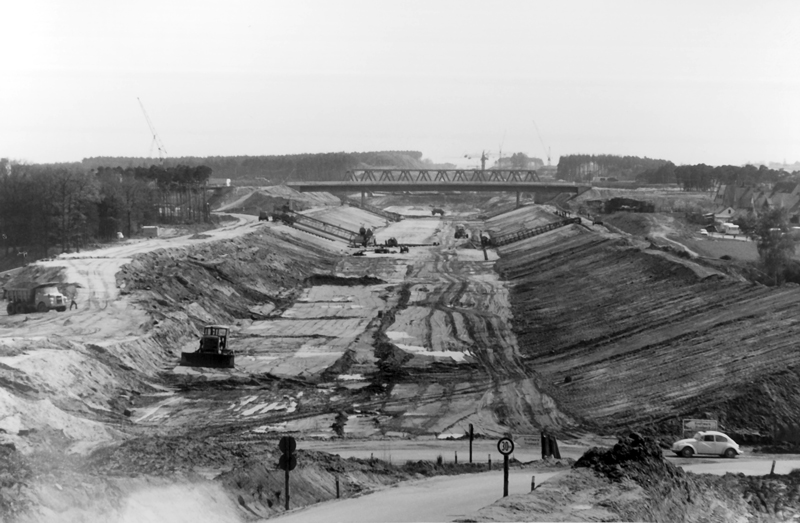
688, 81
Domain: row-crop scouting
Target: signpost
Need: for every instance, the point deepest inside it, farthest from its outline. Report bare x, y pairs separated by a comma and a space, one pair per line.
470, 442
695, 425
506, 447
288, 461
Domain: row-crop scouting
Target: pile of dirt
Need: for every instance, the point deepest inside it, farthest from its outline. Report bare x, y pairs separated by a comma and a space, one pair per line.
247, 200
167, 455
15, 476
223, 280
631, 453
674, 495
664, 200
631, 223
328, 279
774, 497
629, 482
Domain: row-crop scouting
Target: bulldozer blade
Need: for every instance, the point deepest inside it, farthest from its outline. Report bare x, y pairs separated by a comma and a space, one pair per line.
205, 359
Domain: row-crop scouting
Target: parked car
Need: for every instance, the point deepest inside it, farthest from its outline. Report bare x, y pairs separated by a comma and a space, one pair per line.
707, 442
704, 232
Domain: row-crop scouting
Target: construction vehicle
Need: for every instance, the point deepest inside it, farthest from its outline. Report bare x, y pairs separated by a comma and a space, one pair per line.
392, 242
461, 231
213, 351
438, 211
363, 238
24, 297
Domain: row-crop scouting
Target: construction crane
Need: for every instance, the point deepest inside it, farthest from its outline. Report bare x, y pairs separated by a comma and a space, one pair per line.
162, 151
546, 149
483, 158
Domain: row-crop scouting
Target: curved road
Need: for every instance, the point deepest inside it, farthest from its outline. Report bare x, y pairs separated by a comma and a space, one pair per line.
446, 498
443, 498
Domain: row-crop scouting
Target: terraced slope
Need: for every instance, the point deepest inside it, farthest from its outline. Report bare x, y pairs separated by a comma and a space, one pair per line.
632, 337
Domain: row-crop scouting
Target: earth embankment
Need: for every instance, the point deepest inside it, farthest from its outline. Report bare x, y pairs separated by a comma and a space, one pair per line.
588, 331
629, 482
626, 336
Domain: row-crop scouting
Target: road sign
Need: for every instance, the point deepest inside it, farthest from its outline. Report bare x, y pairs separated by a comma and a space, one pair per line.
700, 424
287, 462
505, 446
287, 444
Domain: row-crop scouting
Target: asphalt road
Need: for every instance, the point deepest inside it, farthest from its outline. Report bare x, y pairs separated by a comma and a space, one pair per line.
443, 498
447, 498
749, 465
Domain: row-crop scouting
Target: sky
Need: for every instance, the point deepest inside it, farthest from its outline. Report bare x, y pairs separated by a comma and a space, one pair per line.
714, 82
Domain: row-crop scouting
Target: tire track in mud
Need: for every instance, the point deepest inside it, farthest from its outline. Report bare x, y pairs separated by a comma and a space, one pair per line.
484, 328
513, 392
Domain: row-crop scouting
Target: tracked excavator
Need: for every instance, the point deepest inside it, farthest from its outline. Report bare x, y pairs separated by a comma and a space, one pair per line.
213, 351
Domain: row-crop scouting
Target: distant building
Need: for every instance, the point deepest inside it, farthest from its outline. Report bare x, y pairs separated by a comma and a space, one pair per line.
731, 228
219, 182
736, 196
724, 214
782, 195
150, 231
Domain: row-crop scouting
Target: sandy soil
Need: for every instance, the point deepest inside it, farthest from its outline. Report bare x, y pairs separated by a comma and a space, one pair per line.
559, 332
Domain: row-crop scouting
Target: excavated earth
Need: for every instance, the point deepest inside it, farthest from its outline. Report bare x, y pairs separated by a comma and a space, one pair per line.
580, 331
630, 482
637, 337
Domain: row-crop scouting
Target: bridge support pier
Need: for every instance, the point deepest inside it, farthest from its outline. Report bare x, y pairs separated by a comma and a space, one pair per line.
518, 193
363, 197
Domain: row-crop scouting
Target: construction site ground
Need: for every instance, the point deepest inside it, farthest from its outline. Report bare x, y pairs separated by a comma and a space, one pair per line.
582, 331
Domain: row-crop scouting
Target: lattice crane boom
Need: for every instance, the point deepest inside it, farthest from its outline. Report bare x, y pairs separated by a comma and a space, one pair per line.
546, 148
162, 151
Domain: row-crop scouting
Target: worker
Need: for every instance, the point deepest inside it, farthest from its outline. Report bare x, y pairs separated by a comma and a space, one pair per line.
72, 302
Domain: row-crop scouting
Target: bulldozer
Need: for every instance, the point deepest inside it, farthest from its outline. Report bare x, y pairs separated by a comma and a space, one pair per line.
213, 351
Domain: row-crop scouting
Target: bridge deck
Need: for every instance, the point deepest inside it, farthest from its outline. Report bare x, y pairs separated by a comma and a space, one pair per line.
435, 186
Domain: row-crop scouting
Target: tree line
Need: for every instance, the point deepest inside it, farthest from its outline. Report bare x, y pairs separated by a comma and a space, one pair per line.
279, 169
583, 167
702, 177
46, 207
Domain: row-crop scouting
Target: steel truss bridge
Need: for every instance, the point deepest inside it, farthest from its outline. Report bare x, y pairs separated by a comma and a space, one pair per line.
442, 175
440, 180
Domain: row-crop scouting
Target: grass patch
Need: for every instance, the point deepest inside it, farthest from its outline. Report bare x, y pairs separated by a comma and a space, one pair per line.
738, 250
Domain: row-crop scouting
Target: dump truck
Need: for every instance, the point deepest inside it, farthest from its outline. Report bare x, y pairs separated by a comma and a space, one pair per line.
24, 297
213, 351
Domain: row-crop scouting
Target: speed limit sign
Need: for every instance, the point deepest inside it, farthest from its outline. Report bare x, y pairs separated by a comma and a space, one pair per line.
505, 446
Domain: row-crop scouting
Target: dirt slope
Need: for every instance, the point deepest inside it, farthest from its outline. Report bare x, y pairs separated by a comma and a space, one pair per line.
576, 330
627, 336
